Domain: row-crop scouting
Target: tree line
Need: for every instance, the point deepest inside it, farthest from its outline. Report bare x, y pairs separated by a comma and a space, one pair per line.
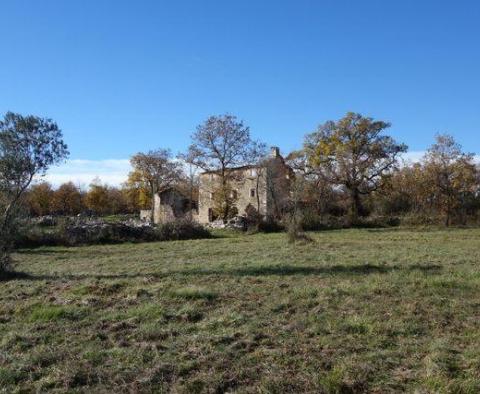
349, 168
68, 199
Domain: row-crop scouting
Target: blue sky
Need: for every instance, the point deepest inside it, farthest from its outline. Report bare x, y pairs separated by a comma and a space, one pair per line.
127, 76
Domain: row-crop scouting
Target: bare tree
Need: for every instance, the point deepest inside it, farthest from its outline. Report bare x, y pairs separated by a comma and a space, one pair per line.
157, 170
218, 145
29, 145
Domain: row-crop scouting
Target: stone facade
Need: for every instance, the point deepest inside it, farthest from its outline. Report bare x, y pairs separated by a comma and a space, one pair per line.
262, 189
171, 205
145, 215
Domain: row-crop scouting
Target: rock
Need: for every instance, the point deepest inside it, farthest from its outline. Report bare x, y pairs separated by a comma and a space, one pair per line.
236, 223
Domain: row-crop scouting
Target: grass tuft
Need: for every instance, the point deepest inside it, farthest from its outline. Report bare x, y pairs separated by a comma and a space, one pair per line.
194, 293
49, 313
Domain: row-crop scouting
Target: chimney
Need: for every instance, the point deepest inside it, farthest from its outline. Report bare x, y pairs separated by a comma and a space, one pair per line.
275, 151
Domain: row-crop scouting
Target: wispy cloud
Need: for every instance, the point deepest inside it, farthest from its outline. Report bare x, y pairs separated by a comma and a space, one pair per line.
82, 172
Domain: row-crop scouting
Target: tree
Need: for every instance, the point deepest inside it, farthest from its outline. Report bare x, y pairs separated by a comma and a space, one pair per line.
136, 193
29, 145
218, 145
97, 198
39, 199
117, 201
405, 191
452, 173
67, 200
191, 183
352, 153
157, 171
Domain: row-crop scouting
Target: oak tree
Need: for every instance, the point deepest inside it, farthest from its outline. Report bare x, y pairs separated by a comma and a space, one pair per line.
354, 154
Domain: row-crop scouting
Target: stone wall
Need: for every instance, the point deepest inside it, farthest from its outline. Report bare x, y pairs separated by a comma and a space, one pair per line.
248, 184
271, 182
145, 215
169, 206
279, 178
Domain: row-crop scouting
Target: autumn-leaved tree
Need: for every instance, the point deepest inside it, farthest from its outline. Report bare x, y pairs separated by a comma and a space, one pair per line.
137, 193
97, 198
67, 200
453, 174
406, 191
118, 202
218, 145
157, 171
29, 145
353, 153
39, 199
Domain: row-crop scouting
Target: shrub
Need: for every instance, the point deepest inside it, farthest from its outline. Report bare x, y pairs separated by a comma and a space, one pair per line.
270, 226
7, 242
180, 230
267, 225
294, 229
314, 222
71, 234
5, 263
378, 221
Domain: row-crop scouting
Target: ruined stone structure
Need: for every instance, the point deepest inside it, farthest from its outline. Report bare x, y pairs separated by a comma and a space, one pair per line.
172, 204
262, 189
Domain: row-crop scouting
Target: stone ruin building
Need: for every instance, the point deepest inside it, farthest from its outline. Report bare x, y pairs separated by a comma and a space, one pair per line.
261, 190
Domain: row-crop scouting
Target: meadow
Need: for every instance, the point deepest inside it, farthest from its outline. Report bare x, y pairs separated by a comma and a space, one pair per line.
360, 310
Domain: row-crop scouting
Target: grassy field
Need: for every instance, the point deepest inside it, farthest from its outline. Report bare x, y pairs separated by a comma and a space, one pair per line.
355, 311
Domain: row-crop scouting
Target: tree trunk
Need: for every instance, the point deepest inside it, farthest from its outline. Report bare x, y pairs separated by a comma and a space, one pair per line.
226, 210
448, 214
257, 187
152, 209
190, 203
355, 206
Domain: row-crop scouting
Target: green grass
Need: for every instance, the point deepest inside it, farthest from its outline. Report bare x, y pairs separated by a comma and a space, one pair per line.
355, 311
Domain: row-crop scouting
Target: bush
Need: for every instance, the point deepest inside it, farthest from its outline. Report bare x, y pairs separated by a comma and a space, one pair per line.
180, 230
315, 222
269, 225
7, 242
5, 263
70, 234
294, 229
378, 221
